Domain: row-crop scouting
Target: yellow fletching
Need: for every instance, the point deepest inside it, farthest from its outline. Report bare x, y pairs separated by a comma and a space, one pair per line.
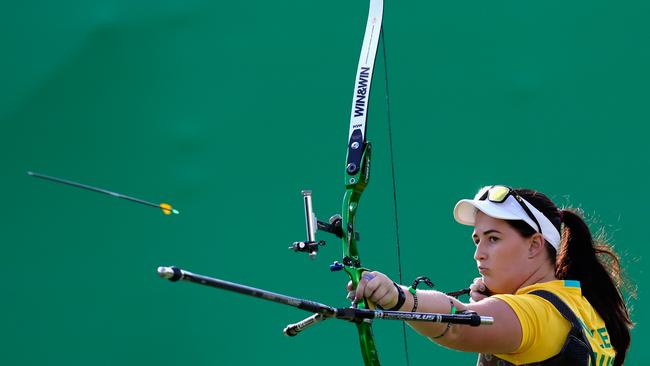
166, 208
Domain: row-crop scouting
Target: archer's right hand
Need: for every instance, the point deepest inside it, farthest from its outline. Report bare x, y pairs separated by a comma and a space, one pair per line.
477, 290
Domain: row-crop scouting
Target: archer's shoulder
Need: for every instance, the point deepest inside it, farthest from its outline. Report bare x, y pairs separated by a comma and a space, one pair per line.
528, 305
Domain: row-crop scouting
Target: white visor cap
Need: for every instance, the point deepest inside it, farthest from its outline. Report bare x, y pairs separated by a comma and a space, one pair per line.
510, 209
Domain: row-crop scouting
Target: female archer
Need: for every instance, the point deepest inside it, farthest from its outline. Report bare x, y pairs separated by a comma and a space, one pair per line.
551, 288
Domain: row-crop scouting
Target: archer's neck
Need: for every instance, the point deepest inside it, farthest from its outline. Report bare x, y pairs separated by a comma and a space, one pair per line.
543, 273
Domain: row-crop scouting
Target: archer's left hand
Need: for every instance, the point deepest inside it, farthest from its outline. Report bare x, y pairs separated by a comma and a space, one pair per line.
376, 288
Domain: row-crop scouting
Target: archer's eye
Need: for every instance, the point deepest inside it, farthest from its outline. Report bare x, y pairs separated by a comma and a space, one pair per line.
493, 239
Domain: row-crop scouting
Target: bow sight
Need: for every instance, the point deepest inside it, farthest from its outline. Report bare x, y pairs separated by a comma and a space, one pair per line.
312, 224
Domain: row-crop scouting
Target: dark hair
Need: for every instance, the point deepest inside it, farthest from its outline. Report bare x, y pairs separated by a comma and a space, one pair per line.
592, 262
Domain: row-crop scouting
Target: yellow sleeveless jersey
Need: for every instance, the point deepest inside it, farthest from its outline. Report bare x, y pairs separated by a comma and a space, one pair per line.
544, 329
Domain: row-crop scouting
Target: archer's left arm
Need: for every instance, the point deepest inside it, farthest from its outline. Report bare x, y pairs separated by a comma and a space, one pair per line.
503, 336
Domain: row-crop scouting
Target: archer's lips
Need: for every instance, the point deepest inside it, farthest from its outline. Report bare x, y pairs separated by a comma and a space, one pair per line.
482, 270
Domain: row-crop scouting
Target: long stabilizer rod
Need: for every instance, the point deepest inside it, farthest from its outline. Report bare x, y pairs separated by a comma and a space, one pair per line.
321, 311
175, 274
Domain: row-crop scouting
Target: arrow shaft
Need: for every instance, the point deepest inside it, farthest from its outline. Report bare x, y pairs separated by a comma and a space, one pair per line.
96, 189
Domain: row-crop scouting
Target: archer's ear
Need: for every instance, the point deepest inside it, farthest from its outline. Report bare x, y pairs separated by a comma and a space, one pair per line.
536, 245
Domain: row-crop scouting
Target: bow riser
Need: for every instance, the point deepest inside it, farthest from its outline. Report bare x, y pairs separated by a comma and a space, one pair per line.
355, 184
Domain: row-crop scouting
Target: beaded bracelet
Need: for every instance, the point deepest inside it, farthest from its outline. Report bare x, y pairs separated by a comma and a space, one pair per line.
415, 299
413, 290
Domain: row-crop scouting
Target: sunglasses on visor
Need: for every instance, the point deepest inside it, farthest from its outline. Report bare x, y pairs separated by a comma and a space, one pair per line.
498, 194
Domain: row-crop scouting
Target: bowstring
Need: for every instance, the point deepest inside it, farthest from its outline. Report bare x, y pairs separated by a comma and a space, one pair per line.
392, 167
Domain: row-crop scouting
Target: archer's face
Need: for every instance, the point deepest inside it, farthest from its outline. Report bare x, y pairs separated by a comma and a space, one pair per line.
502, 254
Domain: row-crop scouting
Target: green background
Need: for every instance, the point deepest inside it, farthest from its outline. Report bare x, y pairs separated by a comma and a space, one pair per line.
228, 109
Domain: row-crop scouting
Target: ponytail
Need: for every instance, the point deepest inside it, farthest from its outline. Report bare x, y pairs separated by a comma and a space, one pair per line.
591, 261
596, 266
